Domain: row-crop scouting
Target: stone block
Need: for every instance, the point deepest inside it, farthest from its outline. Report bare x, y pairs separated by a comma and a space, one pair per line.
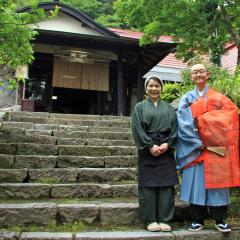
40, 214
46, 126
81, 191
24, 191
84, 150
57, 175
119, 213
24, 125
29, 114
7, 148
106, 174
125, 190
208, 234
116, 135
71, 213
125, 235
46, 236
38, 131
29, 161
71, 141
6, 161
13, 175
75, 116
79, 161
107, 142
36, 149
13, 130
9, 235
30, 138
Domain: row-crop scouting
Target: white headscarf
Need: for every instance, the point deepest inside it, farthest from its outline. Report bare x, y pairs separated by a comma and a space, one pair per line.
147, 80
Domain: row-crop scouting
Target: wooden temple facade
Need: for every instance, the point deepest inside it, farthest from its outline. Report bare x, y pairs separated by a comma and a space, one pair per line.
82, 67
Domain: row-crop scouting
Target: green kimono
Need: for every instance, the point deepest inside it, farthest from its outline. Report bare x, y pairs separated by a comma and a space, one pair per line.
155, 125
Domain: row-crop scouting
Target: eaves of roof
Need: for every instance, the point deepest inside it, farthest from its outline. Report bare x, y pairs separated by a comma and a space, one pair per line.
77, 14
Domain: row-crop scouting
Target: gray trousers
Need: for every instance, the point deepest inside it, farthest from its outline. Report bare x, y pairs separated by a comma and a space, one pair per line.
156, 204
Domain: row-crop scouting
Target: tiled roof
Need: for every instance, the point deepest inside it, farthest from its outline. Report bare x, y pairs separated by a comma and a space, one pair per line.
137, 35
229, 60
171, 61
127, 33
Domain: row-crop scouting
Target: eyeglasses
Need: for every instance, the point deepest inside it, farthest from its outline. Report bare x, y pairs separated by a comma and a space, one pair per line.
201, 71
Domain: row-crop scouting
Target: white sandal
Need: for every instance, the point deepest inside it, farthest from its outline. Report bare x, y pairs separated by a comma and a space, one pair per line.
165, 227
153, 227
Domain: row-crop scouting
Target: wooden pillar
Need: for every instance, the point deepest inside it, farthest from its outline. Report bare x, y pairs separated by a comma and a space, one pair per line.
140, 83
120, 97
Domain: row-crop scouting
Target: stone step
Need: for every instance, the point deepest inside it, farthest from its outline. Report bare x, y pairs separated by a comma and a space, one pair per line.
68, 175
177, 234
93, 129
96, 150
77, 122
28, 149
94, 142
40, 161
11, 137
11, 115
41, 214
121, 134
70, 190
77, 150
95, 135
31, 127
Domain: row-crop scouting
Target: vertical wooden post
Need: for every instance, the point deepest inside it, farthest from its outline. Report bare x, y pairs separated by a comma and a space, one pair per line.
140, 85
120, 110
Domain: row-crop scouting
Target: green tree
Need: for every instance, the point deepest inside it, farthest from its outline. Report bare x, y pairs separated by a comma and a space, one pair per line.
102, 11
16, 34
199, 26
90, 7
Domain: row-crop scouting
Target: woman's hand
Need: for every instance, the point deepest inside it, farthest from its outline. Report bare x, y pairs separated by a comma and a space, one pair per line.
163, 147
155, 150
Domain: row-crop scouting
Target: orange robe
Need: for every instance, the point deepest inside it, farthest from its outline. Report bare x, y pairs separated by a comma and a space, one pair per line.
218, 124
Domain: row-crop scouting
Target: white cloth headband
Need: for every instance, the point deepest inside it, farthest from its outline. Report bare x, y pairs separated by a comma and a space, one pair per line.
148, 78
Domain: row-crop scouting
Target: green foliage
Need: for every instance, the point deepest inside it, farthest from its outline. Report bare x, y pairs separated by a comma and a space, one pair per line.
90, 7
171, 92
110, 21
16, 34
229, 85
200, 26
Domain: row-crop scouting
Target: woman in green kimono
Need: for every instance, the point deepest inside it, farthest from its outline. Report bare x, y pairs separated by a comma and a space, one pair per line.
154, 128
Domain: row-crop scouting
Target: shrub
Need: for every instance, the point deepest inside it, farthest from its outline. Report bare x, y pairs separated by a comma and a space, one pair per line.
171, 92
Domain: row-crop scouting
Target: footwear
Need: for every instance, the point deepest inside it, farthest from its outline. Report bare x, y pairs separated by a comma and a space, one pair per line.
195, 226
223, 227
153, 227
165, 227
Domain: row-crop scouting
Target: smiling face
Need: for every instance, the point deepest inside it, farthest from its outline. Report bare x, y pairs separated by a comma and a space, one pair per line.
199, 76
153, 89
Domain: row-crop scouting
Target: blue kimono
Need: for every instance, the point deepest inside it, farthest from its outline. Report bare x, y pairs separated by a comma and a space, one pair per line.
193, 188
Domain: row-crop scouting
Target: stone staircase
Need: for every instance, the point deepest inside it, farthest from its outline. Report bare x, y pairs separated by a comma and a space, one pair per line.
58, 169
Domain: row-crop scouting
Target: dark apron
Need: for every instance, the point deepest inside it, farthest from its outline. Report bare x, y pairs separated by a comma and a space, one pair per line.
157, 171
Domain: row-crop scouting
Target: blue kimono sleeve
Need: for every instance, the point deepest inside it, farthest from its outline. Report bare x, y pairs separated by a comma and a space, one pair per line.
188, 140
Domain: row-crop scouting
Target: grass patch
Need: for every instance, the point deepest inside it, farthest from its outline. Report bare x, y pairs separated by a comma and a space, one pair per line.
74, 228
82, 226
70, 200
